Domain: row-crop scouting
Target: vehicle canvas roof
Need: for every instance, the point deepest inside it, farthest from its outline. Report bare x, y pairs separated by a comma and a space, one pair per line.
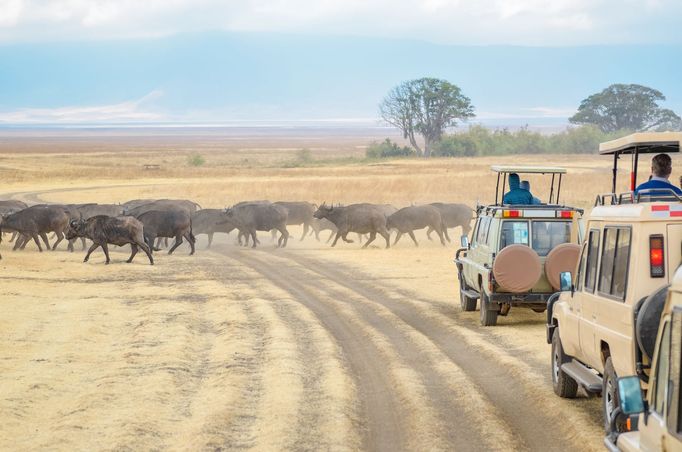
528, 169
644, 143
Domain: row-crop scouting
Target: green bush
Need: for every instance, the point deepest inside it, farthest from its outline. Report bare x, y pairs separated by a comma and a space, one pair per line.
387, 149
479, 140
195, 160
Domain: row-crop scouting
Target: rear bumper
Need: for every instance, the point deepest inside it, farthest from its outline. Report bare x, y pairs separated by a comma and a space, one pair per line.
520, 299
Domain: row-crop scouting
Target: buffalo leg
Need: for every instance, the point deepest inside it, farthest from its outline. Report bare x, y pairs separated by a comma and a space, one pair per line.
397, 237
35, 239
387, 236
428, 233
191, 242
372, 236
83, 243
149, 240
133, 248
210, 239
284, 238
441, 235
105, 248
331, 235
411, 233
69, 245
17, 244
305, 231
14, 236
253, 238
336, 239
44, 237
93, 247
60, 237
178, 242
147, 251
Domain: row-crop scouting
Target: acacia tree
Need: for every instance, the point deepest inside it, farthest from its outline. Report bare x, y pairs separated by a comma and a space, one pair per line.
426, 107
626, 107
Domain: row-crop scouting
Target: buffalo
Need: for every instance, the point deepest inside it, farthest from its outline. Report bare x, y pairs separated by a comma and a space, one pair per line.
453, 215
167, 223
409, 219
360, 218
211, 221
250, 218
37, 221
298, 213
104, 230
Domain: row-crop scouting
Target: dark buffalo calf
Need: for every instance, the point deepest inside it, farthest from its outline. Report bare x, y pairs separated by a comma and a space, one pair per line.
167, 223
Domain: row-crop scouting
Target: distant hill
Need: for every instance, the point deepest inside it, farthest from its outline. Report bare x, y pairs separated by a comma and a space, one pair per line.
214, 77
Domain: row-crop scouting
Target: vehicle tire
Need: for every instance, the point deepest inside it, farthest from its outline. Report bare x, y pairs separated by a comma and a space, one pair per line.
488, 315
467, 304
564, 386
610, 398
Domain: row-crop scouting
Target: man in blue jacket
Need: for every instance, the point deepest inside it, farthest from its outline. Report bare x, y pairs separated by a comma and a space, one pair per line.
661, 168
516, 195
525, 185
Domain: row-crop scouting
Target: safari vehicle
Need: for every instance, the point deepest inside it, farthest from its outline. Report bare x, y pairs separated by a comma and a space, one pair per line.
658, 416
597, 324
517, 252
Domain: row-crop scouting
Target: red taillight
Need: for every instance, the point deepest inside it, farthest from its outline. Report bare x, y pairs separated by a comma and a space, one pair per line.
511, 213
656, 256
566, 214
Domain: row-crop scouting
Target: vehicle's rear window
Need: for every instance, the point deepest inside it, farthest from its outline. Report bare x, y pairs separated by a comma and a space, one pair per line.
514, 232
548, 234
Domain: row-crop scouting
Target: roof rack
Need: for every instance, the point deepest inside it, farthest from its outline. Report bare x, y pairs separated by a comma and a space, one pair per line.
629, 197
502, 172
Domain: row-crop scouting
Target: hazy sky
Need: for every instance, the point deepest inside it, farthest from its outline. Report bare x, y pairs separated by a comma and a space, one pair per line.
208, 60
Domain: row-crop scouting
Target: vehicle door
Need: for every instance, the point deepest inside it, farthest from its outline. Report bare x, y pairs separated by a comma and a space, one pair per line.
569, 326
478, 251
612, 319
661, 428
584, 302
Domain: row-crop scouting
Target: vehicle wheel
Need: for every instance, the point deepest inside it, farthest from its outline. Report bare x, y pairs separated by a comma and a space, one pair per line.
564, 386
610, 400
488, 315
467, 304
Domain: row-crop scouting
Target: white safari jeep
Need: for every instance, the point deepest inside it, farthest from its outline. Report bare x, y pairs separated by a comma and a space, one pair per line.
658, 416
600, 324
517, 252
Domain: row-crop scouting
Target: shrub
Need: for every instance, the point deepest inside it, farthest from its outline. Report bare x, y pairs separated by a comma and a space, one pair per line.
195, 160
387, 149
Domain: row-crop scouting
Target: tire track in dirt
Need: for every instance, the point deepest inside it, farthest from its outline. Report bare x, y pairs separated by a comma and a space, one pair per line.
434, 417
539, 428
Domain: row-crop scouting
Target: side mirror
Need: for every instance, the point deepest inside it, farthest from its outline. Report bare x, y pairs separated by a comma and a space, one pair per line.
630, 394
464, 241
566, 281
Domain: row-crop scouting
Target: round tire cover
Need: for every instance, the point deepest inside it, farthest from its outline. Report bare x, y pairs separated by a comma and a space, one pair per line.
517, 268
562, 258
648, 320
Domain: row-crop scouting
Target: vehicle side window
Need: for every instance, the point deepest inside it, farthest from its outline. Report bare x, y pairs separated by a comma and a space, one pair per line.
592, 257
483, 230
614, 262
661, 382
514, 232
474, 234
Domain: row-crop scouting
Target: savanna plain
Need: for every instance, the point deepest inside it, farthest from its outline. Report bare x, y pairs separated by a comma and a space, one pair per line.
303, 348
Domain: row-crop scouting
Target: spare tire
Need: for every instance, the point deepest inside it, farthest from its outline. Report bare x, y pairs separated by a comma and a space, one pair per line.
648, 319
517, 268
562, 258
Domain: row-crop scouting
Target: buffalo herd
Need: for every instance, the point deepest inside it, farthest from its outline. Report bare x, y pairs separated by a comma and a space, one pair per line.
147, 223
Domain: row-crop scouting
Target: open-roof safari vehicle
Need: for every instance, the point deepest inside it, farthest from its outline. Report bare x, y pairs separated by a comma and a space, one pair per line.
517, 252
604, 321
659, 415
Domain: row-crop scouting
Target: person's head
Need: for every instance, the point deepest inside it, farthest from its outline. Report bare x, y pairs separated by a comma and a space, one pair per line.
525, 185
514, 181
661, 165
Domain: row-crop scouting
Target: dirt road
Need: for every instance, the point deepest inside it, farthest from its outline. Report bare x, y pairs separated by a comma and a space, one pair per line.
305, 348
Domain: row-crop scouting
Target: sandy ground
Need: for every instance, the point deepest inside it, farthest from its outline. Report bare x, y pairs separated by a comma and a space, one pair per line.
303, 348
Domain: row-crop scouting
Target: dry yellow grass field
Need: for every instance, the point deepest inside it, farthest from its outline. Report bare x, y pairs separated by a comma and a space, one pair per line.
303, 348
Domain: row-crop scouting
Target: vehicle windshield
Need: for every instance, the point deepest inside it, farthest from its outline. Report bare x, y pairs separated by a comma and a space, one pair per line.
545, 235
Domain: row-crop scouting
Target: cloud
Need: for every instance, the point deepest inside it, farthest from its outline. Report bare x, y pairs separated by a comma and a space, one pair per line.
523, 22
128, 111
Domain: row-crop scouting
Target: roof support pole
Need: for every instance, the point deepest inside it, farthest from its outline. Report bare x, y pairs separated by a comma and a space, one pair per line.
497, 187
551, 190
558, 190
615, 171
635, 163
504, 185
